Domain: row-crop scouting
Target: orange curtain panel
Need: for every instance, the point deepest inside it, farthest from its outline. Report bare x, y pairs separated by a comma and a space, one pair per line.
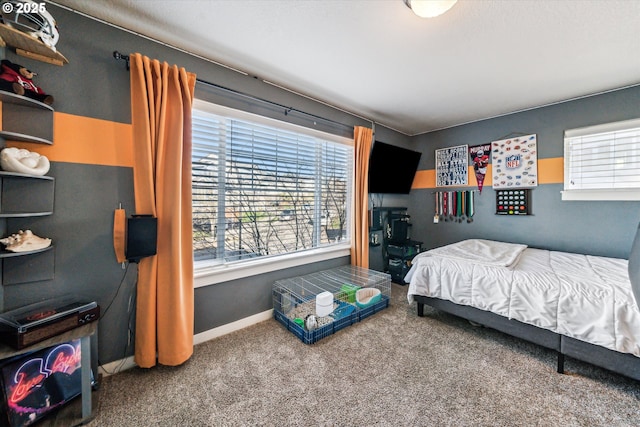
161, 99
360, 245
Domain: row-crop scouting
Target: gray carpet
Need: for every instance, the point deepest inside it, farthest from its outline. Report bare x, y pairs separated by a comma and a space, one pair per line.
393, 368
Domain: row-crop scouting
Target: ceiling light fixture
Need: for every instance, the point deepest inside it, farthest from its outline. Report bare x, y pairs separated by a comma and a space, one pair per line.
429, 8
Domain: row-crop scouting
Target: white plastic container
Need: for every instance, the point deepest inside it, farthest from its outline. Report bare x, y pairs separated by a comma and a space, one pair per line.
324, 304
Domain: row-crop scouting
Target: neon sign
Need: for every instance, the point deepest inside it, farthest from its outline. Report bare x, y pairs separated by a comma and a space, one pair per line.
41, 381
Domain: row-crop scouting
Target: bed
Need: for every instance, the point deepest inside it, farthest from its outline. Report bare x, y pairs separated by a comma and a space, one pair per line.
580, 306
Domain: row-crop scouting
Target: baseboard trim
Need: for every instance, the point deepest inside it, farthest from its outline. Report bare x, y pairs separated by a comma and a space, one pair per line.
232, 327
116, 366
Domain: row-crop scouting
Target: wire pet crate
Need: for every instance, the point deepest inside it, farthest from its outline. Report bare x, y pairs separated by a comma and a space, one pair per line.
294, 299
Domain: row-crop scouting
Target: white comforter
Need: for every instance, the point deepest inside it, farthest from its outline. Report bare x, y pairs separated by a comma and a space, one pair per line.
581, 296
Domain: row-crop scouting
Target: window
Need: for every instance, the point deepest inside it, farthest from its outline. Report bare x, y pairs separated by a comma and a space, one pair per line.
264, 188
602, 162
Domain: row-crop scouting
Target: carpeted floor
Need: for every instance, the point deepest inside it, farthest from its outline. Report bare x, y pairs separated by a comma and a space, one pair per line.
393, 369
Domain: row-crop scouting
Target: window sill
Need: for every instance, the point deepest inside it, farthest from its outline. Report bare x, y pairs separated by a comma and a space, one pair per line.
206, 275
604, 195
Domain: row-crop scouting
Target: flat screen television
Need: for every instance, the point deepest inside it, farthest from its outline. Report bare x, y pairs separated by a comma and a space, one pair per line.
392, 168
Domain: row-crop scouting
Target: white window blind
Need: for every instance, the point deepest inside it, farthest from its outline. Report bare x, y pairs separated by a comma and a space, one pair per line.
265, 188
602, 162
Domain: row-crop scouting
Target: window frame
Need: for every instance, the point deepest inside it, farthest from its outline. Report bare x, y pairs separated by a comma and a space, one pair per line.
210, 272
603, 194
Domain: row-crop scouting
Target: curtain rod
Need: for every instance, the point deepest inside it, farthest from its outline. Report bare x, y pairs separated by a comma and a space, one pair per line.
119, 56
286, 109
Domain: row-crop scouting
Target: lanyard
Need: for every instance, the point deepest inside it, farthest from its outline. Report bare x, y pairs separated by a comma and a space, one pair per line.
470, 206
454, 206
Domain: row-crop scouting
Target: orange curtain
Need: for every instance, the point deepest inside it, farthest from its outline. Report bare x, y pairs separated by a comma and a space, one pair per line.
360, 247
161, 99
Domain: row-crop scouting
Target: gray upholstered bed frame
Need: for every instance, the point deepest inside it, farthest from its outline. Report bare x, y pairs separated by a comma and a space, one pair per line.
622, 363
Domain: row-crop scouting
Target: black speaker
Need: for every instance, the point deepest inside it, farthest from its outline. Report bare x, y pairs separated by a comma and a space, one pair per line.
399, 230
376, 219
142, 237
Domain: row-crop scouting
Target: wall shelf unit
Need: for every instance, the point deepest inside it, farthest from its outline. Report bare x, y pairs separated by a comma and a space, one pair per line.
30, 47
13, 136
25, 119
14, 187
24, 196
9, 254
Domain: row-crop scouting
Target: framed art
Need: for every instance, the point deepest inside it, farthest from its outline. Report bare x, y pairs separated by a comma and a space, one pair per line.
452, 166
515, 162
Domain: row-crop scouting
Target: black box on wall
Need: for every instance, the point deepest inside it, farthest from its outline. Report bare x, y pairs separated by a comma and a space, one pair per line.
142, 237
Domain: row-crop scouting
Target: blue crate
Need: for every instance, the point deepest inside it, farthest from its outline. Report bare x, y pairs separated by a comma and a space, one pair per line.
347, 320
289, 294
311, 337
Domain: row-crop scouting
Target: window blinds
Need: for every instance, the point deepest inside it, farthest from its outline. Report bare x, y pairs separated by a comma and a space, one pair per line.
603, 157
262, 189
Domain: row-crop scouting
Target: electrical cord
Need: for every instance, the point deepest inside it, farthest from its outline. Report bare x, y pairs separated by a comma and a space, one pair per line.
124, 276
129, 327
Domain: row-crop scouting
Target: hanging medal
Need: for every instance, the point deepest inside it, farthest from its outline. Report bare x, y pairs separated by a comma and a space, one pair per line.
452, 204
470, 207
445, 205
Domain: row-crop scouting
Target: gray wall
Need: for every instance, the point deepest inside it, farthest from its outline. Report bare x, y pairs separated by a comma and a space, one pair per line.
600, 228
95, 85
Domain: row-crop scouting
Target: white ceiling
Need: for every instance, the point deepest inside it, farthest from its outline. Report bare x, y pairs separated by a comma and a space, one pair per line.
375, 58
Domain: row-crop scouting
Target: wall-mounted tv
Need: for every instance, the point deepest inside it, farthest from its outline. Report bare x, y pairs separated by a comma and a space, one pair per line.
392, 168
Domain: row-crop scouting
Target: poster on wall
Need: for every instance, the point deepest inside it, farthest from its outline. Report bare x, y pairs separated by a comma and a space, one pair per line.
480, 160
451, 166
515, 162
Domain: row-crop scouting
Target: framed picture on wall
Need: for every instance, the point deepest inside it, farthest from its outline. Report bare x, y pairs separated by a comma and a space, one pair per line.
515, 162
451, 166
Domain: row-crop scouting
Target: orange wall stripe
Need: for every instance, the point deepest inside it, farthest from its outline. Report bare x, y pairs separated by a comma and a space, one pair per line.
427, 179
424, 179
78, 139
550, 171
